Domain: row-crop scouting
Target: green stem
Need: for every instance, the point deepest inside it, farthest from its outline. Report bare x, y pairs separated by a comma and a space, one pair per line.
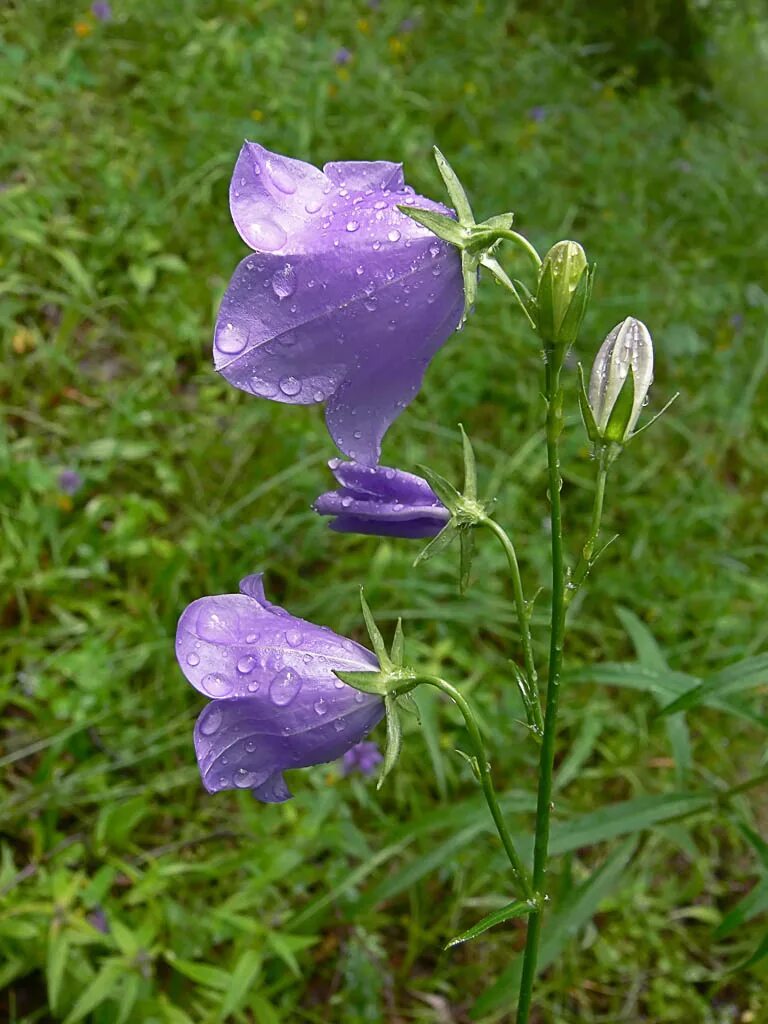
484, 772
522, 242
585, 559
534, 704
554, 395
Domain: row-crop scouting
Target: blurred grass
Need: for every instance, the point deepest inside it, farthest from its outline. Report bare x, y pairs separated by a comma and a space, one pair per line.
116, 247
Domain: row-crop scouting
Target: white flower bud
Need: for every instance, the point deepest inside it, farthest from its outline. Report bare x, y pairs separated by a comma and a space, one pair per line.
622, 374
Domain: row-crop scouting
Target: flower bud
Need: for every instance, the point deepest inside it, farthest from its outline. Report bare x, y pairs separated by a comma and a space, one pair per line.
563, 293
621, 378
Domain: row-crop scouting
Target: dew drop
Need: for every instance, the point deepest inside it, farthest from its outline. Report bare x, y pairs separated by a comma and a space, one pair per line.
357, 435
193, 659
339, 684
359, 271
290, 386
359, 697
245, 664
394, 235
294, 637
250, 746
284, 687
253, 686
211, 722
338, 725
352, 225
313, 205
376, 246
231, 339
390, 474
284, 282
371, 304
244, 779
318, 396
263, 388
346, 502
321, 706
267, 235
216, 685
379, 205
251, 638
282, 179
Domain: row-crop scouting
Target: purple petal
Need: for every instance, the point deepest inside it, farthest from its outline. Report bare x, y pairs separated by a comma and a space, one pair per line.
359, 175
246, 744
383, 482
408, 529
270, 196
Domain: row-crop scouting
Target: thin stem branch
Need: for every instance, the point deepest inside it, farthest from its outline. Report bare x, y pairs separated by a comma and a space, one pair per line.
523, 619
585, 559
554, 397
486, 782
523, 243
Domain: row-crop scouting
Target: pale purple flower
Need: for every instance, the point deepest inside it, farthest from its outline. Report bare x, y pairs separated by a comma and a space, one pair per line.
342, 56
69, 481
277, 703
537, 113
363, 757
344, 300
101, 10
382, 501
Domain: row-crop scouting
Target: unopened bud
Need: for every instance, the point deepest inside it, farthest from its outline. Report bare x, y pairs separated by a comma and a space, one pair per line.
562, 294
621, 378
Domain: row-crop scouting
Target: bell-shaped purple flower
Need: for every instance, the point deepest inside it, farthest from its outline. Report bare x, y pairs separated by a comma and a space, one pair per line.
382, 501
344, 300
277, 703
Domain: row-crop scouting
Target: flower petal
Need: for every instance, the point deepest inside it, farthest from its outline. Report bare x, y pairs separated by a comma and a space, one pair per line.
244, 744
383, 482
270, 197
359, 175
409, 529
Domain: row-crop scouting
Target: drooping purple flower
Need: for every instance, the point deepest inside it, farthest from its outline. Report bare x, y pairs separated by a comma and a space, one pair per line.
342, 56
363, 757
537, 113
101, 10
344, 300
69, 481
382, 501
277, 703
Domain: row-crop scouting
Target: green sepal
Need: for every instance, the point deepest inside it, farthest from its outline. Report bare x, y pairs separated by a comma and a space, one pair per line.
525, 300
394, 739
438, 223
501, 221
467, 552
469, 266
398, 644
587, 415
377, 640
437, 544
471, 761
618, 422
519, 908
455, 190
574, 315
443, 488
470, 466
377, 683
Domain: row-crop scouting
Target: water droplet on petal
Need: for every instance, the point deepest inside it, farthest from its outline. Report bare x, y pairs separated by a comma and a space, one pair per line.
216, 685
282, 179
267, 235
359, 271
251, 638
359, 697
346, 502
243, 779
390, 474
231, 339
352, 225
338, 725
379, 205
245, 664
313, 205
284, 687
193, 659
339, 684
321, 706
394, 235
284, 282
253, 686
290, 386
265, 389
250, 746
376, 246
211, 722
294, 637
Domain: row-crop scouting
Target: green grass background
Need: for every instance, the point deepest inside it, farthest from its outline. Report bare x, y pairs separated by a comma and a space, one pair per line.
126, 893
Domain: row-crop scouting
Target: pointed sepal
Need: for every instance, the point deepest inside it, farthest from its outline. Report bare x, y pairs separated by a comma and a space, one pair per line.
467, 552
377, 640
587, 415
444, 227
437, 544
470, 466
455, 190
394, 739
519, 908
398, 645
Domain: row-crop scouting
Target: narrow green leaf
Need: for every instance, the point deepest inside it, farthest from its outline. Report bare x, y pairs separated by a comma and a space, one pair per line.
467, 551
590, 425
101, 988
470, 465
398, 645
377, 640
203, 974
444, 227
443, 488
759, 954
753, 904
744, 675
580, 751
437, 544
559, 929
520, 908
394, 739
56, 961
426, 701
241, 980
129, 993
757, 843
455, 190
524, 298
469, 277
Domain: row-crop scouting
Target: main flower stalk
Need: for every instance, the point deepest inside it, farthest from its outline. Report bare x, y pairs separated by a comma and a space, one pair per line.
554, 396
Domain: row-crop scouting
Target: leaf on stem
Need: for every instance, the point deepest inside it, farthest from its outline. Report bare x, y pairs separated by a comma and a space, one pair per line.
394, 739
455, 190
519, 908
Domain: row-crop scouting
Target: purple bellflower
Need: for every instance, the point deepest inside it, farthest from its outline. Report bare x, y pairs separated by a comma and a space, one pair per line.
381, 501
363, 757
101, 10
344, 300
277, 703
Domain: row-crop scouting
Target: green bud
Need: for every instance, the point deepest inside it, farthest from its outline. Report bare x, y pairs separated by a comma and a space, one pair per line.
563, 293
621, 377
